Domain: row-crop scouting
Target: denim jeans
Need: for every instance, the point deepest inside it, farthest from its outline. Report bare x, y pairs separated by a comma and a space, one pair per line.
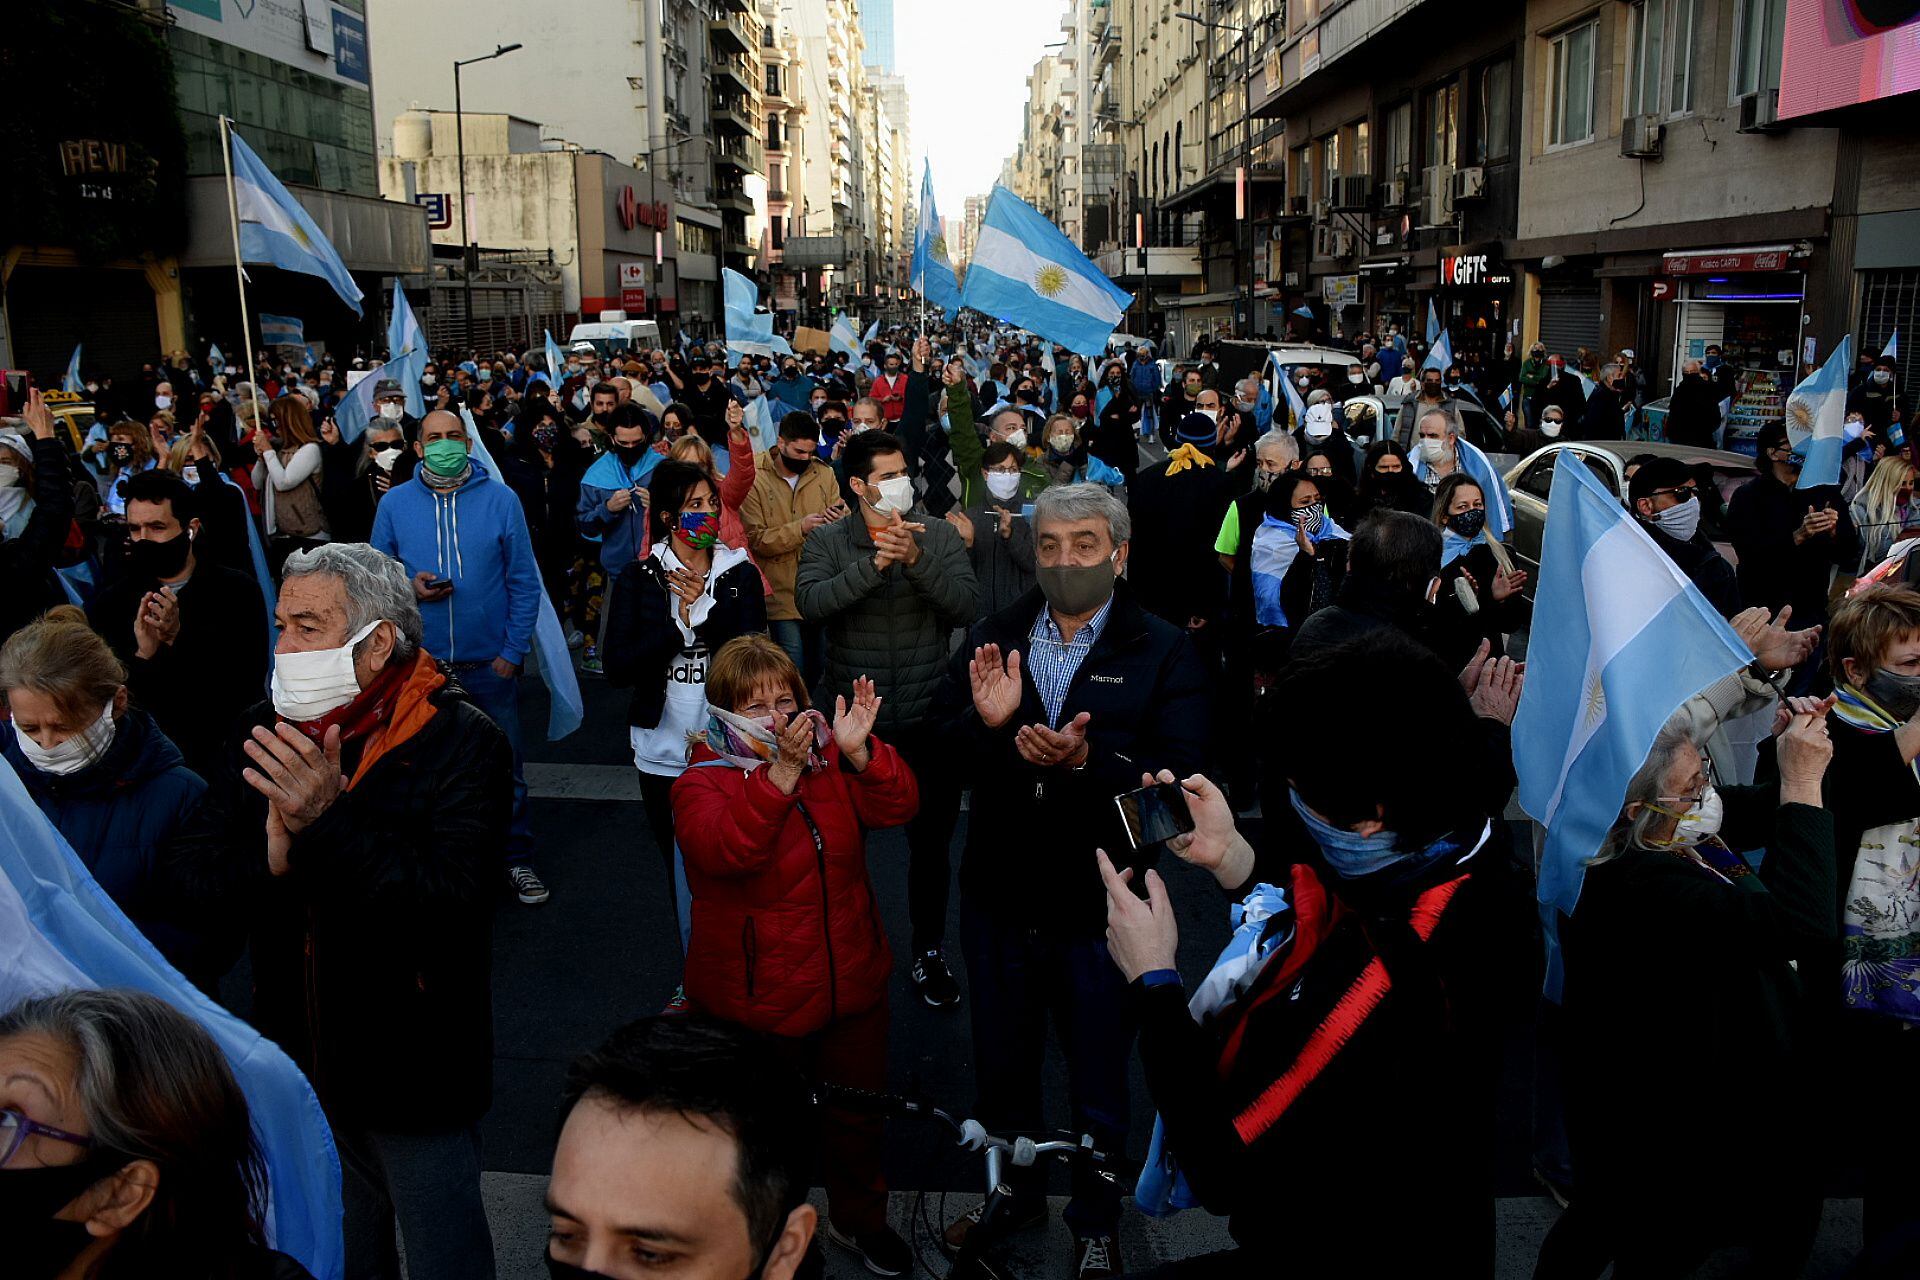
805, 643
430, 1184
1016, 979
500, 699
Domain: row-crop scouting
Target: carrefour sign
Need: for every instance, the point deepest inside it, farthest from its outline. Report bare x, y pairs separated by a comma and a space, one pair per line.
1472, 269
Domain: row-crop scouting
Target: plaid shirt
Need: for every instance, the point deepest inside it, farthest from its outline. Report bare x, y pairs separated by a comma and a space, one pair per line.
1053, 661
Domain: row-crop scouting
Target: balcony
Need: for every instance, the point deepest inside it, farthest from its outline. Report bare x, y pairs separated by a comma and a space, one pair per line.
729, 35
733, 201
738, 249
731, 117
741, 154
730, 76
835, 75
1107, 48
1164, 262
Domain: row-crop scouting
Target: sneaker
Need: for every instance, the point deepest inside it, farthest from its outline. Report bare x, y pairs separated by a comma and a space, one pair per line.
678, 1002
526, 884
576, 638
882, 1252
1014, 1216
590, 660
1097, 1257
934, 980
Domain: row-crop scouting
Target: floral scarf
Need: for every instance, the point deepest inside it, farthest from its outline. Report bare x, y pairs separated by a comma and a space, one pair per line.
749, 744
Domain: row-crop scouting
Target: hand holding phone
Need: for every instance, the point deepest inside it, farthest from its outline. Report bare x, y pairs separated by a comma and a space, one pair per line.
1154, 814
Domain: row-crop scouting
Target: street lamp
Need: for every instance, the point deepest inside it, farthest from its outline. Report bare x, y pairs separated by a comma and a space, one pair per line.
1243, 173
674, 139
460, 147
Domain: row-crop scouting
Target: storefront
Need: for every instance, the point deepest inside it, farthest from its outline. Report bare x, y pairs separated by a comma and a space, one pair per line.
1751, 304
1475, 298
1388, 300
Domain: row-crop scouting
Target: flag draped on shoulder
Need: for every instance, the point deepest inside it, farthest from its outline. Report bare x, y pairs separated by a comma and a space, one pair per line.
60, 930
1620, 639
1817, 418
1026, 272
276, 229
931, 273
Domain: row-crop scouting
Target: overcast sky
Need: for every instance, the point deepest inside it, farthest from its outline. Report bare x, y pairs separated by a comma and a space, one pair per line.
966, 64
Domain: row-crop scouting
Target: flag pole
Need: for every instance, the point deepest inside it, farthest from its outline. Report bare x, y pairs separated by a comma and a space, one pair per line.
239, 272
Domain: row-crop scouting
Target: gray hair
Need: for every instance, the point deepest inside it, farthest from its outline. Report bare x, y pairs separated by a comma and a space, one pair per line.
1072, 503
376, 584
1607, 371
1453, 428
1691, 366
1277, 441
1647, 784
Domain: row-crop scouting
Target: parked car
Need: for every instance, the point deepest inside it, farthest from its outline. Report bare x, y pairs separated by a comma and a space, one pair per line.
1531, 481
1238, 358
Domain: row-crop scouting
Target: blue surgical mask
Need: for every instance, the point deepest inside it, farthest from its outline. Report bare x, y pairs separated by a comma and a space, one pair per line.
1349, 853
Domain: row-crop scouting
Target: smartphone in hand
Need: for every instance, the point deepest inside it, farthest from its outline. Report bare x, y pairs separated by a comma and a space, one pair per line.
1155, 814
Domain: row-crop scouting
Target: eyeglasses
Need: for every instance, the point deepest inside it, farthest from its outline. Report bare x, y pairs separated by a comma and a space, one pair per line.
1320, 471
1684, 490
14, 1128
787, 706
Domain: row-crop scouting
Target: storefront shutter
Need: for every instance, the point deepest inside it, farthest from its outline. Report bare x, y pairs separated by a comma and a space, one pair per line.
110, 311
1891, 300
1569, 320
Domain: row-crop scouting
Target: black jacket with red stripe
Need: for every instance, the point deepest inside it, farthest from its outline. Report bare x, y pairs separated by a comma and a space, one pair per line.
1341, 1114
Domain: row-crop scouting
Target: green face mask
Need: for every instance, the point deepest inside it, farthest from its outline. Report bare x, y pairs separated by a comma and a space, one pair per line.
446, 457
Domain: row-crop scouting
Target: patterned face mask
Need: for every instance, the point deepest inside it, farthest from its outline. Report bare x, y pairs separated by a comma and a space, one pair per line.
699, 529
751, 743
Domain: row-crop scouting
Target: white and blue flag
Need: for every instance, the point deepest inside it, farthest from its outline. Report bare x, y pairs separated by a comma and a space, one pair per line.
1439, 342
282, 331
60, 930
1817, 418
843, 336
749, 332
759, 422
72, 381
407, 346
1621, 638
1280, 381
1892, 350
556, 362
214, 358
275, 229
873, 331
931, 273
1026, 272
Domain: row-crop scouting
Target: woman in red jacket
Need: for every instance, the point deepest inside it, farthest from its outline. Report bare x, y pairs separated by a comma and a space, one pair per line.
772, 815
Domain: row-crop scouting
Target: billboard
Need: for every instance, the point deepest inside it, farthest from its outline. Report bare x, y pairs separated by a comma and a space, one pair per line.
312, 35
1841, 52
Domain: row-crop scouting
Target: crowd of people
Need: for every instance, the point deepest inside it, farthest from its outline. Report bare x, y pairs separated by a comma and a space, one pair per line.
263, 663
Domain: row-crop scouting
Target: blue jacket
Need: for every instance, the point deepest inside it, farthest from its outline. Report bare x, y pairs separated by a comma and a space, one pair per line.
622, 535
792, 394
477, 537
119, 813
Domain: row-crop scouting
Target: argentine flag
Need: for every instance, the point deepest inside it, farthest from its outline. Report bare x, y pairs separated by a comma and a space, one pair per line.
275, 229
1280, 374
1439, 342
866, 339
1817, 417
282, 331
59, 929
844, 337
556, 362
407, 346
749, 332
1892, 350
931, 273
1027, 273
72, 381
214, 358
1620, 639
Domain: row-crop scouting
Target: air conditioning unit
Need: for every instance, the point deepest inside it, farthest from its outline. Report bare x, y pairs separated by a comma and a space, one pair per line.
1436, 207
1354, 191
1322, 210
1438, 178
1760, 112
1641, 137
1297, 206
1340, 243
1393, 195
1330, 242
1469, 183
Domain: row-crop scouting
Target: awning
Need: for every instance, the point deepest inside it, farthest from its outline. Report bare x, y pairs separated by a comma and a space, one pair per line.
1220, 181
1375, 265
1198, 299
1772, 257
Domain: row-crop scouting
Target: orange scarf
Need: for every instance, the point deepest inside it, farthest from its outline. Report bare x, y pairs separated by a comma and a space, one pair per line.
411, 711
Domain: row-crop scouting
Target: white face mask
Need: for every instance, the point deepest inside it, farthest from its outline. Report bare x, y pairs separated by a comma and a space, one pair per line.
163, 402
9, 477
392, 410
385, 458
1680, 520
1434, 448
1061, 443
1017, 438
893, 495
1211, 415
190, 473
1697, 823
76, 752
1356, 378
1550, 427
305, 686
428, 379
1003, 484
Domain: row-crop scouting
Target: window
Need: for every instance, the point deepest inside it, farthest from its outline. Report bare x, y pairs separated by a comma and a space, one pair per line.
1660, 57
1570, 86
773, 82
777, 230
1493, 136
773, 133
1329, 147
1759, 32
1399, 156
1301, 180
1443, 125
774, 174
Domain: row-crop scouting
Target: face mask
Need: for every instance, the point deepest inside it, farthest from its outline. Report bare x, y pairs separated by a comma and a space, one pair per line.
305, 686
796, 465
893, 495
630, 453
1082, 410
9, 477
385, 455
94, 387
1309, 516
1679, 521
1077, 589
163, 402
1003, 484
121, 454
1356, 378
1318, 428
157, 557
1061, 443
545, 435
446, 458
72, 755
1882, 376
1467, 523
428, 379
1898, 695
39, 1244
1349, 853
485, 375
1017, 438
1433, 448
392, 410
1211, 415
1696, 824
1712, 363
698, 529
1550, 427
1853, 430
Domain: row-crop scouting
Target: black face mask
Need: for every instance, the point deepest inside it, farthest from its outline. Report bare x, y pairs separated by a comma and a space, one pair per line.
121, 454
831, 426
37, 1243
159, 557
630, 453
795, 465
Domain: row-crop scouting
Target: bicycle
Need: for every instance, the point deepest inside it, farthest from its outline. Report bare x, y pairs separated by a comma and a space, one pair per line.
970, 1262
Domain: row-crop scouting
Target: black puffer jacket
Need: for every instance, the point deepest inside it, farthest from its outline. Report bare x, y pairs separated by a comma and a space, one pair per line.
643, 641
893, 626
372, 956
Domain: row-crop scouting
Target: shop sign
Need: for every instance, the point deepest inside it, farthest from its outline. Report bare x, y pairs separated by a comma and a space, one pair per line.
633, 286
439, 207
1472, 270
634, 214
1726, 261
1662, 290
1341, 291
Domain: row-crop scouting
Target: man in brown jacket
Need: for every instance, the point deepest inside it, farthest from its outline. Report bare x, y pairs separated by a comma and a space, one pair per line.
794, 492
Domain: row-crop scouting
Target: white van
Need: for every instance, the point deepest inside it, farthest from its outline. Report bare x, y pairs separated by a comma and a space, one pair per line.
615, 331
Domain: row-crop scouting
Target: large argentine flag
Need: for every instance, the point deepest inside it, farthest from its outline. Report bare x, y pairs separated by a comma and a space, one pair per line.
1439, 342
749, 332
407, 344
931, 273
275, 229
1026, 272
844, 337
1620, 639
1817, 416
1493, 487
58, 929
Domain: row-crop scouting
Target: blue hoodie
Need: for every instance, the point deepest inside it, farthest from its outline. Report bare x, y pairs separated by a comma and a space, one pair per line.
622, 535
477, 537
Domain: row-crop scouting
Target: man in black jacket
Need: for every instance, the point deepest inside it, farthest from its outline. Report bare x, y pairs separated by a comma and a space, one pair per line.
28, 587
1665, 495
1693, 411
1092, 690
1604, 416
1789, 540
193, 635
358, 827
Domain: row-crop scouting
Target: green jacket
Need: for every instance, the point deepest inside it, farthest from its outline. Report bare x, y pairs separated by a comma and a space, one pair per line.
967, 448
1533, 374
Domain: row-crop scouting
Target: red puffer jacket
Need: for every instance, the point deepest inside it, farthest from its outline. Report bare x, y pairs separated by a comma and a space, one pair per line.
786, 934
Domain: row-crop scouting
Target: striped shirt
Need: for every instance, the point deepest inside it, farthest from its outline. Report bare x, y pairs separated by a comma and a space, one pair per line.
1053, 661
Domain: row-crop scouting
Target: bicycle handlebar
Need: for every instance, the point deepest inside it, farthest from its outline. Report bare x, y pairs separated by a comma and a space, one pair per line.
1022, 1151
